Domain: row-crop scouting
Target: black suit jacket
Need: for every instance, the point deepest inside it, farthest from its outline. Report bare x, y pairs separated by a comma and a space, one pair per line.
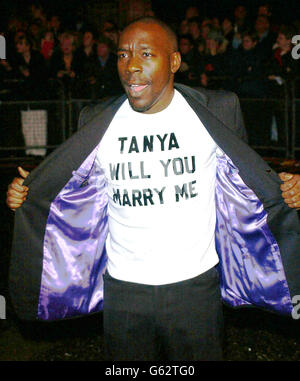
220, 113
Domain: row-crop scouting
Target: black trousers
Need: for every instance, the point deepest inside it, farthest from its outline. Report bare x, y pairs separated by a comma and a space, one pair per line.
177, 322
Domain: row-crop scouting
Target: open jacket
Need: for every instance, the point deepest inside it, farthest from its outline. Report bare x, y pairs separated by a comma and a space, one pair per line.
58, 255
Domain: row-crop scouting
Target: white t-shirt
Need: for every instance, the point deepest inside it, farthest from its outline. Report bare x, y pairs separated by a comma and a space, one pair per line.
161, 171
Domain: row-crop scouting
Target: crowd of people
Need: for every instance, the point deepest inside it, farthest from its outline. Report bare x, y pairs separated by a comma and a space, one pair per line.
254, 55
250, 56
40, 49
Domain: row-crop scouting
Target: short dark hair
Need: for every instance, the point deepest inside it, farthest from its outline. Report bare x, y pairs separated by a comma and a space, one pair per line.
104, 40
252, 34
267, 5
89, 29
186, 37
263, 17
288, 31
26, 38
153, 20
196, 20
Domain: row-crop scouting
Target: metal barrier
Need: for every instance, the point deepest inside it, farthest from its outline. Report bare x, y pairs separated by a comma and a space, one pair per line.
266, 108
267, 124
295, 133
270, 123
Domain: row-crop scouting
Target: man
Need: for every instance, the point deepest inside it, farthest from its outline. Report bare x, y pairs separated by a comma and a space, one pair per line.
107, 82
146, 195
281, 70
29, 66
266, 38
240, 18
62, 61
248, 71
191, 62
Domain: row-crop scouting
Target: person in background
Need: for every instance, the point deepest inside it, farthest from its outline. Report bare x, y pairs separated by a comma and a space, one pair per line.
30, 67
191, 12
283, 66
85, 58
62, 65
281, 70
35, 31
241, 21
245, 65
103, 71
228, 31
247, 68
266, 38
183, 27
214, 60
194, 24
265, 9
111, 31
190, 68
47, 45
55, 25
240, 24
206, 27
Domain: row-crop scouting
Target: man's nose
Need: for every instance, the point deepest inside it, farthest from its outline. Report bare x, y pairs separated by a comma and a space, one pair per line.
134, 65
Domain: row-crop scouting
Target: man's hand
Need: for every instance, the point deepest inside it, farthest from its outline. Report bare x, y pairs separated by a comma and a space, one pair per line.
17, 192
291, 189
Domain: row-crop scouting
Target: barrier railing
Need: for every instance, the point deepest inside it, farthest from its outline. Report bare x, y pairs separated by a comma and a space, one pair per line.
295, 110
35, 127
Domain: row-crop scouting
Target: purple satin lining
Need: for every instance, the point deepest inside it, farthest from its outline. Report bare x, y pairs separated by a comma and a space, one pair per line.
251, 270
74, 253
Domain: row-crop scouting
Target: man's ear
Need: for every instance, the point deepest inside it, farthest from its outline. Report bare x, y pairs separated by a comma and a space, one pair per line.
175, 61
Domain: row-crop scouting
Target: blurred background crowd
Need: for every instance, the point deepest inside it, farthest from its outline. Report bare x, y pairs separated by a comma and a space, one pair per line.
244, 48
255, 51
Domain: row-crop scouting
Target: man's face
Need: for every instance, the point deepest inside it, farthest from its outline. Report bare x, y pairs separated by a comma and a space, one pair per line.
102, 50
226, 24
184, 27
248, 43
185, 46
54, 22
88, 39
263, 10
261, 25
194, 29
283, 42
22, 46
191, 12
212, 44
240, 12
67, 46
146, 65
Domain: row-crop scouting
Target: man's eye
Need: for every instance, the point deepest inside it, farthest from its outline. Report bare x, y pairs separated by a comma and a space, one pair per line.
122, 55
147, 54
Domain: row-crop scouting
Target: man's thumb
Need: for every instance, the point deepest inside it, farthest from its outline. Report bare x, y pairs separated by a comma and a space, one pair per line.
285, 176
22, 172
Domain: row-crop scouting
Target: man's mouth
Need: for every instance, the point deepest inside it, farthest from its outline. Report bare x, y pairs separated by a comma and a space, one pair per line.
136, 89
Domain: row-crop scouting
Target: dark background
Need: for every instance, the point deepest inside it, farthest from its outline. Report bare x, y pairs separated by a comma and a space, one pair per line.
169, 10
